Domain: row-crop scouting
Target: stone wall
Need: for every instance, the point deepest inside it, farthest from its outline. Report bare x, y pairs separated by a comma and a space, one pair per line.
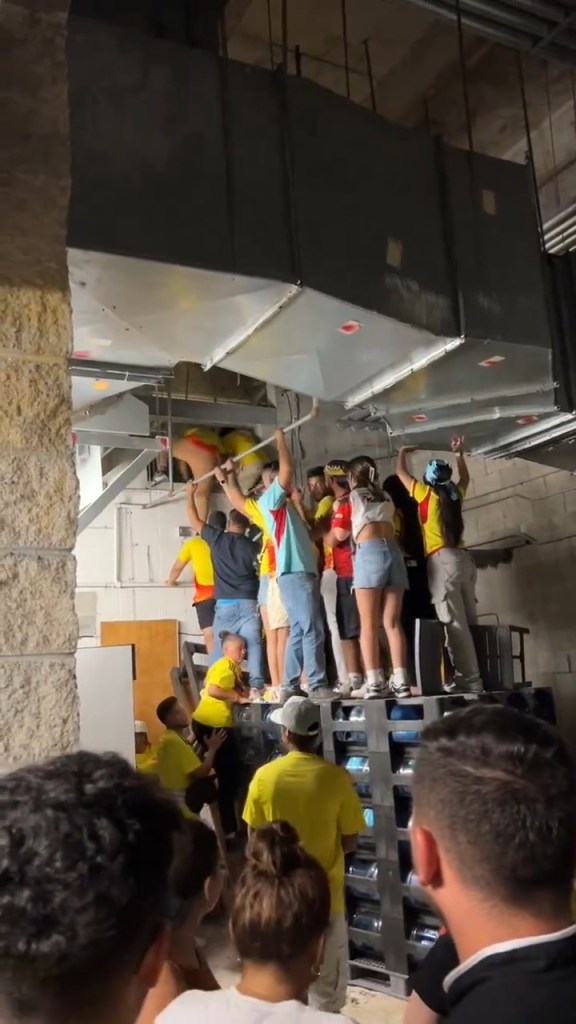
38, 490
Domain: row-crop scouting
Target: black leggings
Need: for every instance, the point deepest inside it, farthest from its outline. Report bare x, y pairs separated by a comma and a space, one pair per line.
227, 767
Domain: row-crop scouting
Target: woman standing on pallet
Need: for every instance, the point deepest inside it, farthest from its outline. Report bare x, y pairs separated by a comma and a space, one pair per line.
380, 581
451, 570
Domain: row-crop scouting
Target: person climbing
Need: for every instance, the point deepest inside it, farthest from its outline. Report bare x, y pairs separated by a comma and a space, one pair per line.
200, 449
380, 581
236, 444
451, 569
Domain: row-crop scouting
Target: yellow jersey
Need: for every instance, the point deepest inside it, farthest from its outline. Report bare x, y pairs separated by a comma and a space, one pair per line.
268, 551
324, 509
227, 675
429, 514
197, 553
318, 799
147, 762
176, 761
237, 442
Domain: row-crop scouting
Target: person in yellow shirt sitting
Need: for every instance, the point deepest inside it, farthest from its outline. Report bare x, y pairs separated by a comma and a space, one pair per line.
248, 467
146, 759
318, 799
201, 451
223, 688
178, 764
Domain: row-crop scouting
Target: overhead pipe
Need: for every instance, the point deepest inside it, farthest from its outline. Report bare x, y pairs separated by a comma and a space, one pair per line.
179, 495
480, 416
493, 29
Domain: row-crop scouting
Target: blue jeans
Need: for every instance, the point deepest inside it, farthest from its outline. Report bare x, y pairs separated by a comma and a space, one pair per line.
241, 617
305, 650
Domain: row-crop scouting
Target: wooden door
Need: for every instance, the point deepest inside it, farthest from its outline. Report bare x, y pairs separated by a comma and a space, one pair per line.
156, 651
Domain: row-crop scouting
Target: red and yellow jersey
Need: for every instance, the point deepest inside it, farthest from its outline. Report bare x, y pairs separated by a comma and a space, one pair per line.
206, 438
197, 553
429, 514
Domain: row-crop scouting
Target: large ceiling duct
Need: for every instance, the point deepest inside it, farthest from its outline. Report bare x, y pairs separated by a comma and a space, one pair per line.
278, 231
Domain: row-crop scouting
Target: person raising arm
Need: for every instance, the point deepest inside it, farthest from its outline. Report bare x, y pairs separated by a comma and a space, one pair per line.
451, 569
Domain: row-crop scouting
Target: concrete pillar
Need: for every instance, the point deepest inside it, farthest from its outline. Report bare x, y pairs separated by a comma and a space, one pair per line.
38, 489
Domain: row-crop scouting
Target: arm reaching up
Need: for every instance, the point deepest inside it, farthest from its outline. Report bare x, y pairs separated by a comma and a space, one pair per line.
285, 459
227, 479
402, 470
463, 474
195, 521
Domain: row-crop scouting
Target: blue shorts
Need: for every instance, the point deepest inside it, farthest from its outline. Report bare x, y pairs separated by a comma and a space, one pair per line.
263, 591
379, 565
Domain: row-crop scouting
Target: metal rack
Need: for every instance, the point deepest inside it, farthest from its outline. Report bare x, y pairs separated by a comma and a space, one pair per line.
391, 926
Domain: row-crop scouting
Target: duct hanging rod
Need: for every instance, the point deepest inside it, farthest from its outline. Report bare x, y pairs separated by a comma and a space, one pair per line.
345, 39
270, 42
179, 495
492, 29
370, 75
285, 36
465, 93
522, 83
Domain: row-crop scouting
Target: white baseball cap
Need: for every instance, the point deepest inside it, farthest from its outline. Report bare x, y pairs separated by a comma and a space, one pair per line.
140, 727
298, 715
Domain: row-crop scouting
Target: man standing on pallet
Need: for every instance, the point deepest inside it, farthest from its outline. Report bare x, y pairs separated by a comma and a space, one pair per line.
319, 800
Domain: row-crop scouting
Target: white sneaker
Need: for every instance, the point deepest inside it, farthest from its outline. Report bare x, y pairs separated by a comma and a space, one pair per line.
343, 690
360, 693
377, 691
399, 689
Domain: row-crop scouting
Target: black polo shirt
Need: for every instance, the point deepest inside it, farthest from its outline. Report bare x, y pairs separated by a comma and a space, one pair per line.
530, 981
235, 563
428, 979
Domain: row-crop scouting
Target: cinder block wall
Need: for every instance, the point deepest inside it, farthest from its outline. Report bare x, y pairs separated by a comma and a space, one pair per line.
38, 493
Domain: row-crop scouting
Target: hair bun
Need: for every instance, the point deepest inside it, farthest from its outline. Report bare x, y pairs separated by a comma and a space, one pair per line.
224, 634
275, 850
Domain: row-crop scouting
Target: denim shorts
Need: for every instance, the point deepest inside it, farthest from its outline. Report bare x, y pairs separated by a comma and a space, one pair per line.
263, 591
378, 564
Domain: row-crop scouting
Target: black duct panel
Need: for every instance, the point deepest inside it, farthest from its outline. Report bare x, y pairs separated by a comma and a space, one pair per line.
368, 210
176, 155
496, 249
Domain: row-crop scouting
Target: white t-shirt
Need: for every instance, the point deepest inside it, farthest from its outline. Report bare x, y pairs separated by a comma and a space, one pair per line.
228, 1005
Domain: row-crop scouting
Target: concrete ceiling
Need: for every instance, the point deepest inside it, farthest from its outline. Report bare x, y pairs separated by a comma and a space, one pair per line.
417, 74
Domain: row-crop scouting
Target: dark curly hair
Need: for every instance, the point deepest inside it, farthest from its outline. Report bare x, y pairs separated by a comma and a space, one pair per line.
86, 845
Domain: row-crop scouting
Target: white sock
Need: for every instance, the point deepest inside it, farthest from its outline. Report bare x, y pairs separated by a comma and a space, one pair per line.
375, 677
355, 680
401, 676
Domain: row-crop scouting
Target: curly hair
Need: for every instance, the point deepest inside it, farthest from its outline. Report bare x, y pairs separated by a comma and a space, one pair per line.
86, 846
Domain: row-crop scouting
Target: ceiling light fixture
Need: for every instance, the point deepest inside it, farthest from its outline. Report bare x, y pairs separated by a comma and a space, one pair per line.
387, 380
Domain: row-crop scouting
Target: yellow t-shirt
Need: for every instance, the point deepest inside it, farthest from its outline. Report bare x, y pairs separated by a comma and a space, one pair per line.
429, 514
176, 760
324, 509
318, 799
197, 552
240, 441
226, 674
147, 762
268, 552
